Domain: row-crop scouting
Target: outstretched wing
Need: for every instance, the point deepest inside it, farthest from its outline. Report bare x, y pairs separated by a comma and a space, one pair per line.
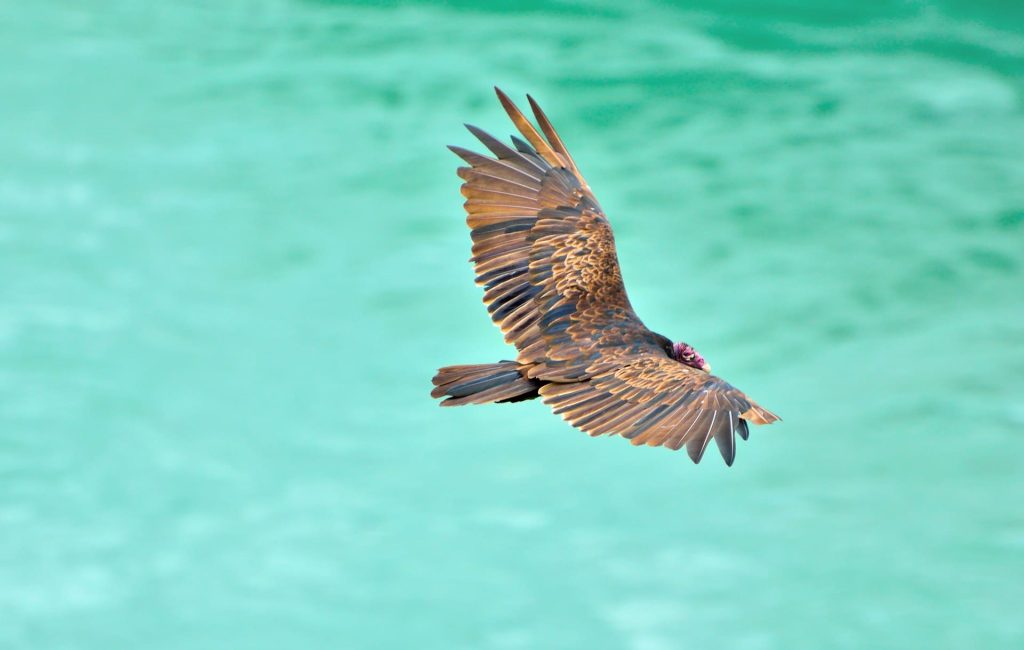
544, 251
654, 400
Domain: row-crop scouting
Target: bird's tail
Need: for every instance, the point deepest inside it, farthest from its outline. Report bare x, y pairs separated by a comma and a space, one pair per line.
504, 381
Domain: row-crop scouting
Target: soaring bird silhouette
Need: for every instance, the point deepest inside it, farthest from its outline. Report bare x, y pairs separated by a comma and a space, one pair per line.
544, 252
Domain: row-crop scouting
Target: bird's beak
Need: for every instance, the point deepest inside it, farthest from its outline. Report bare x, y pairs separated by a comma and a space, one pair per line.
706, 368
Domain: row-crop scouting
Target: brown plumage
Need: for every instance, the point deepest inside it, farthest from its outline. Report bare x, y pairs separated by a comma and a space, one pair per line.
544, 252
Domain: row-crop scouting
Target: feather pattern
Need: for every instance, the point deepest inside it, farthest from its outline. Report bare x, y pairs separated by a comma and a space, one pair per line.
544, 252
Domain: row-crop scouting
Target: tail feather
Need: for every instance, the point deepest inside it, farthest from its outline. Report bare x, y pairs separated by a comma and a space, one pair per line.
504, 381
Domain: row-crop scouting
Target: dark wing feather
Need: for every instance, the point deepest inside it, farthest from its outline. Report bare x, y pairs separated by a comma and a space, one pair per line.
656, 401
544, 251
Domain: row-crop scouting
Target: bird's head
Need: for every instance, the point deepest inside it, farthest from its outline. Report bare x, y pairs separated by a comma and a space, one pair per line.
685, 354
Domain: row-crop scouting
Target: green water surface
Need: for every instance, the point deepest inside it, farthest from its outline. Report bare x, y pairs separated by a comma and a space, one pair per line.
232, 254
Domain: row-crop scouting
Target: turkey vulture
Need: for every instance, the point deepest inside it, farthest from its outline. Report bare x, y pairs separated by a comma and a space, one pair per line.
543, 251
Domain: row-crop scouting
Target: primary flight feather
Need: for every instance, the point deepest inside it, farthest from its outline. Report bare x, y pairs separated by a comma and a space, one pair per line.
544, 252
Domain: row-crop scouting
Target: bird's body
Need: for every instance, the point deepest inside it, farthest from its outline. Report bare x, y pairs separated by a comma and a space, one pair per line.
544, 252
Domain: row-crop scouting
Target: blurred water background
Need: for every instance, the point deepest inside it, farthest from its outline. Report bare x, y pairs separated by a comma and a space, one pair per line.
232, 254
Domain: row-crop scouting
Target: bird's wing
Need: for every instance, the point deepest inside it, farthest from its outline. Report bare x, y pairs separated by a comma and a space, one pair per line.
654, 400
544, 251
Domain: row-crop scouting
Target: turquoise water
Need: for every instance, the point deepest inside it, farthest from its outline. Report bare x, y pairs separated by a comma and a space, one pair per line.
232, 254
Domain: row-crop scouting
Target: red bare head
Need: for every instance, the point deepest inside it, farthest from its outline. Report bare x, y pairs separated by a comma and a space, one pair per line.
685, 354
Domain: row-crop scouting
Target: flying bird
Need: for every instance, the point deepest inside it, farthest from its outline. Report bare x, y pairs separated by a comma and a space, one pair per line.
544, 253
